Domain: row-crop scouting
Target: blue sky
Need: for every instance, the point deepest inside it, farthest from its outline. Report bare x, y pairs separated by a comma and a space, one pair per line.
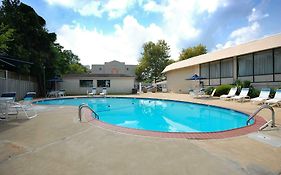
105, 30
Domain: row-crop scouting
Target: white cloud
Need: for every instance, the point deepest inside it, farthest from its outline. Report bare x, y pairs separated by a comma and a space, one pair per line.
152, 6
113, 8
117, 8
241, 35
210, 6
256, 15
247, 33
95, 47
125, 43
180, 18
92, 8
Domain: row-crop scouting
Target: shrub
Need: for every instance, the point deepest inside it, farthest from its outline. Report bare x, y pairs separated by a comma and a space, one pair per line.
246, 84
253, 92
209, 90
238, 83
223, 89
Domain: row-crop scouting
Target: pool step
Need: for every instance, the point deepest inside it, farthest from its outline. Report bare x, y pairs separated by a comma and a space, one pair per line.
271, 140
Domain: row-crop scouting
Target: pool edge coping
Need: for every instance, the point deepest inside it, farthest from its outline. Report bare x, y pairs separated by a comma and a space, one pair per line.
259, 121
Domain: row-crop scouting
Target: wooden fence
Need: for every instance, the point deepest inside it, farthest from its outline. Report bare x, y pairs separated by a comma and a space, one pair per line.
14, 82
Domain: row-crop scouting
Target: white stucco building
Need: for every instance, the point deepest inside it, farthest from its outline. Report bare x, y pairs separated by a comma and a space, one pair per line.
116, 76
258, 61
114, 67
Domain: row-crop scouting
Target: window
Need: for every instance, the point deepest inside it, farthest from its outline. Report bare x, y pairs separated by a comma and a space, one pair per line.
227, 68
100, 68
2, 74
245, 65
103, 83
86, 83
204, 70
263, 63
215, 69
277, 60
127, 68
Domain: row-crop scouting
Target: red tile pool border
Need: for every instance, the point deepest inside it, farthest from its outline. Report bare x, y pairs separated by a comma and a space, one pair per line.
259, 121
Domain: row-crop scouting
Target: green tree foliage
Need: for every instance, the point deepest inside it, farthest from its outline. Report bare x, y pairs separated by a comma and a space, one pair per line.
155, 57
29, 40
6, 36
192, 52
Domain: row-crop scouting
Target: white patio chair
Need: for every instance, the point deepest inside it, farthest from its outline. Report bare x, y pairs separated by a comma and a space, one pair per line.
264, 95
61, 93
230, 94
242, 96
104, 92
276, 101
205, 95
52, 94
93, 92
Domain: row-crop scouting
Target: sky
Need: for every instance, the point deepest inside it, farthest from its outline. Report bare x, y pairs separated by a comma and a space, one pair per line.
99, 31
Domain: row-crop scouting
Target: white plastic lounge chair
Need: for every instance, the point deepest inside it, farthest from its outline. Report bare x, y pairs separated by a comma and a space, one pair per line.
242, 96
230, 94
264, 95
26, 108
9, 95
104, 92
276, 101
205, 95
29, 95
14, 108
94, 92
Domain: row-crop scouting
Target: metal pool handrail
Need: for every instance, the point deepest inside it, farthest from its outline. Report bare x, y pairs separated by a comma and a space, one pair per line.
272, 121
83, 105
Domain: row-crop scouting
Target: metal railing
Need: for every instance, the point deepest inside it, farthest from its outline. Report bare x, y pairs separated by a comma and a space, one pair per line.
272, 121
83, 105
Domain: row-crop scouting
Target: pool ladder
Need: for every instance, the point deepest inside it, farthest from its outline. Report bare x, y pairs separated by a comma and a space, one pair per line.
272, 121
83, 105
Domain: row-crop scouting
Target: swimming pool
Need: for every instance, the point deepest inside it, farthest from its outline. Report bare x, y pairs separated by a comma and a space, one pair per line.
159, 115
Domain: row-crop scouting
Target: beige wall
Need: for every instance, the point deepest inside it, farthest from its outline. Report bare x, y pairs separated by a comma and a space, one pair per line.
114, 67
117, 85
176, 79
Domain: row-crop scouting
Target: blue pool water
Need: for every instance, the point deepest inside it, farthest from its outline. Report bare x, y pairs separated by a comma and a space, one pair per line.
159, 115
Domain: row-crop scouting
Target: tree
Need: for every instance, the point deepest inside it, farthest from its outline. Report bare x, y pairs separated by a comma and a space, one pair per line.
153, 61
192, 52
6, 36
27, 38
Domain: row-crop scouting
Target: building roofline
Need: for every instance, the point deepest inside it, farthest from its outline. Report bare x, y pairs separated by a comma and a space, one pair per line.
97, 75
268, 42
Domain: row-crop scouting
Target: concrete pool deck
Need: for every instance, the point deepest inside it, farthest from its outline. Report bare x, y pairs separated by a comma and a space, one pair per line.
56, 143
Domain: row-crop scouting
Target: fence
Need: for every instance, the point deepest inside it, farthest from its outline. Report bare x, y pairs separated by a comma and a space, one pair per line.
14, 82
